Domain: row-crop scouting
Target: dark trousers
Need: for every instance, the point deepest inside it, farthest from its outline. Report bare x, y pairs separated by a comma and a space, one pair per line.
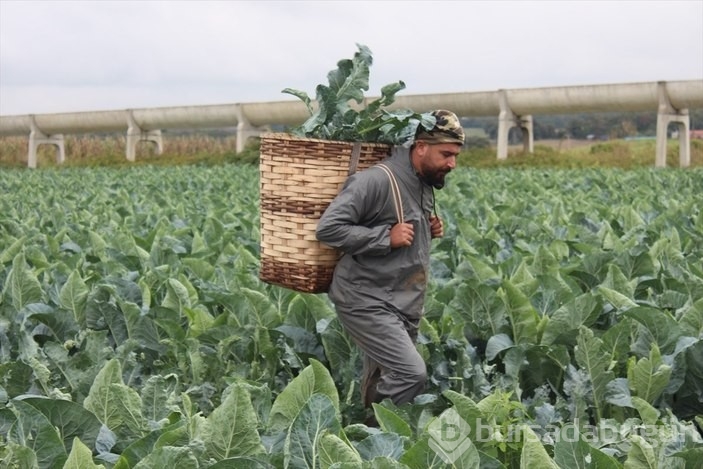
393, 367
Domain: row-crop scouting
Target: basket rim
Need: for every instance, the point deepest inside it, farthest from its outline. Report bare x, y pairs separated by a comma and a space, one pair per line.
290, 136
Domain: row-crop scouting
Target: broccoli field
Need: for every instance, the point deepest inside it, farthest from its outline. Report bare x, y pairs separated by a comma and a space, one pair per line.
563, 327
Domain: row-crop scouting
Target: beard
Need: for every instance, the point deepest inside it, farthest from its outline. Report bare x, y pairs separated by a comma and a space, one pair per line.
435, 178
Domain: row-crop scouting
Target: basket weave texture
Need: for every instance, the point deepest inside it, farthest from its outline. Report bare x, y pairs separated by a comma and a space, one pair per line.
299, 177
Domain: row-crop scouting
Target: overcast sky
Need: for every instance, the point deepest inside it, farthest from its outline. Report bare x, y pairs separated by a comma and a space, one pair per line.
65, 56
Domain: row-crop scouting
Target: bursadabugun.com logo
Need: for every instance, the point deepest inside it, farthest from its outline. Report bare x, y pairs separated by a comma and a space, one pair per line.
451, 436
604, 433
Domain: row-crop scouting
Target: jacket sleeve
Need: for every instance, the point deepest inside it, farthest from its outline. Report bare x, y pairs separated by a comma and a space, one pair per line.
351, 222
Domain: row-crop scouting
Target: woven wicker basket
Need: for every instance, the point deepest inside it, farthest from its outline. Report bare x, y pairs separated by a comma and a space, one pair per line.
299, 179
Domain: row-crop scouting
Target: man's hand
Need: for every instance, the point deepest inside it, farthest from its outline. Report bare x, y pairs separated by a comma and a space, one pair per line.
436, 227
402, 235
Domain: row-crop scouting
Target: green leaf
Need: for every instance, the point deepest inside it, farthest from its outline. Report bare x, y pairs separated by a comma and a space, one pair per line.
333, 449
533, 453
70, 419
617, 299
102, 313
618, 393
303, 96
648, 413
617, 281
169, 457
600, 460
198, 246
376, 463
24, 288
61, 323
497, 344
481, 270
15, 377
691, 321
19, 457
591, 357
159, 397
617, 341
177, 296
317, 417
649, 376
201, 268
666, 251
243, 462
306, 310
340, 350
12, 250
141, 448
467, 409
450, 438
390, 421
549, 292
641, 454
692, 457
113, 403
497, 407
81, 457
544, 263
565, 322
141, 328
523, 316
234, 425
350, 80
254, 307
146, 293
199, 320
176, 435
36, 432
571, 453
334, 119
314, 379
422, 455
662, 327
381, 445
74, 296
481, 309
98, 245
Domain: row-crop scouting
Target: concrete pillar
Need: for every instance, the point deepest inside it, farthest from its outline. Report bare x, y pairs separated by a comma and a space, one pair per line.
37, 137
244, 130
528, 136
667, 115
135, 135
507, 119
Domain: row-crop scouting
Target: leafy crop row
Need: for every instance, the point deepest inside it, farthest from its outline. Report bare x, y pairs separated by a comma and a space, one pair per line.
134, 332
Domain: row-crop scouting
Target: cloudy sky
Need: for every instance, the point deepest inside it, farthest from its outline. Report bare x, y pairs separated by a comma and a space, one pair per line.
65, 56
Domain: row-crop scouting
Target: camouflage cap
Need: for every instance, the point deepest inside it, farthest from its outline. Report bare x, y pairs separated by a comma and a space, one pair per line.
447, 129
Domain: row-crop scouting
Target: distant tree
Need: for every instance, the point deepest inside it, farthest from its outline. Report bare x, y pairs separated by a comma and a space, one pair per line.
477, 142
580, 126
626, 128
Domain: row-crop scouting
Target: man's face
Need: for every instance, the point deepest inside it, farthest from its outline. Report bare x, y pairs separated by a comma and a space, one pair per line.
434, 162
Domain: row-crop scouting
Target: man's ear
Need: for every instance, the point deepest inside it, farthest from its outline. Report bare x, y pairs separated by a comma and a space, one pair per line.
421, 147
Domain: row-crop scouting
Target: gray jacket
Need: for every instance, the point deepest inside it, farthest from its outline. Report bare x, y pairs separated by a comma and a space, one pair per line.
358, 223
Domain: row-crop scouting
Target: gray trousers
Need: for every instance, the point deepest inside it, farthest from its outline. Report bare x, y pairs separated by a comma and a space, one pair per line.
393, 367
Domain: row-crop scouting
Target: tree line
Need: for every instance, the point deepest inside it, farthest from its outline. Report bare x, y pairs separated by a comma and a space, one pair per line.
601, 126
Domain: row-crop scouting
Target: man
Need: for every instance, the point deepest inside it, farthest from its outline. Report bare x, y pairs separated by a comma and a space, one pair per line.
379, 284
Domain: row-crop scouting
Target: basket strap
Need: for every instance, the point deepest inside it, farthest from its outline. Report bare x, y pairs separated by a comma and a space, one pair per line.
395, 191
356, 154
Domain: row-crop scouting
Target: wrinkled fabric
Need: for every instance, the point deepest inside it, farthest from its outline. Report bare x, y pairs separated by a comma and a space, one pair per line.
358, 223
392, 365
